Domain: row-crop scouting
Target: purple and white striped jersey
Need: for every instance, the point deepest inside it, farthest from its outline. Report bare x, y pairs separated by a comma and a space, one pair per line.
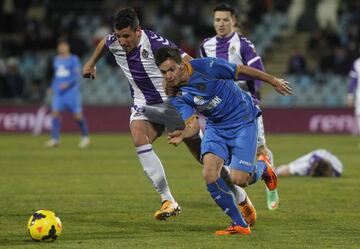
302, 165
145, 78
354, 84
236, 49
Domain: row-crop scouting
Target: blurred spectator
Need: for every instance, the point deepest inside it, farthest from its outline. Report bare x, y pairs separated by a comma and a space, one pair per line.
297, 63
102, 31
326, 13
8, 16
14, 81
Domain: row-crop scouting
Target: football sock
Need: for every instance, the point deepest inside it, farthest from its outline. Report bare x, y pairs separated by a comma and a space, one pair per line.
260, 168
154, 171
271, 157
83, 126
55, 130
223, 196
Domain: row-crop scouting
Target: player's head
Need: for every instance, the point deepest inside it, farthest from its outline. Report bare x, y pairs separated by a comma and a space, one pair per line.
169, 61
63, 47
224, 19
321, 167
127, 28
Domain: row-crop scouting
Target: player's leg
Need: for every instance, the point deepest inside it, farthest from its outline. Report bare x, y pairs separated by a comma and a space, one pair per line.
247, 209
73, 104
214, 152
245, 205
222, 195
265, 154
56, 108
144, 134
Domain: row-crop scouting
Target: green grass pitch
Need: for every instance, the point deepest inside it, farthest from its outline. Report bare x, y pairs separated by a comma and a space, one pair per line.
105, 201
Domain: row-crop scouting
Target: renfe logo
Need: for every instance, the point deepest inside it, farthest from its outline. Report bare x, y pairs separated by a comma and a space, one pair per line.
332, 123
26, 121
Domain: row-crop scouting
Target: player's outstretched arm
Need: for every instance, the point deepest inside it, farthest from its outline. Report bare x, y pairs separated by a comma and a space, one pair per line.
280, 85
89, 69
191, 129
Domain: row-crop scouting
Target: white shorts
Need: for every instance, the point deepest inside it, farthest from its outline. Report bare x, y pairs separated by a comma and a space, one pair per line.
163, 114
261, 132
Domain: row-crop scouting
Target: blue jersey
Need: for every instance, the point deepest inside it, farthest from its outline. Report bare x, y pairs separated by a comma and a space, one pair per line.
66, 70
211, 90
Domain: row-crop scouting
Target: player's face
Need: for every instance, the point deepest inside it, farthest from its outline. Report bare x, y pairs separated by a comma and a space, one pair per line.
172, 72
223, 23
128, 38
63, 48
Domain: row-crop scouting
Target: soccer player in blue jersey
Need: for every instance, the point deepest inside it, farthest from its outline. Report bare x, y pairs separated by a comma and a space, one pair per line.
133, 49
236, 48
207, 86
65, 90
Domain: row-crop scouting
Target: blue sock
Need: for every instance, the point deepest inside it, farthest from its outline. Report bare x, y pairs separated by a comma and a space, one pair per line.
223, 196
83, 126
55, 130
260, 168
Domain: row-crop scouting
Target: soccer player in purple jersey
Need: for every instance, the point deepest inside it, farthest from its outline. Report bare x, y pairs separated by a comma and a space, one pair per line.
353, 97
65, 90
151, 114
316, 163
235, 48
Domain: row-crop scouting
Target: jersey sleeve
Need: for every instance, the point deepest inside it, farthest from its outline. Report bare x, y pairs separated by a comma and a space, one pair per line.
157, 41
185, 109
249, 55
110, 39
251, 59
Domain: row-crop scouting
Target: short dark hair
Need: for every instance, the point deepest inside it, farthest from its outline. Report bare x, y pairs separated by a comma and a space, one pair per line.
225, 7
321, 167
167, 52
124, 18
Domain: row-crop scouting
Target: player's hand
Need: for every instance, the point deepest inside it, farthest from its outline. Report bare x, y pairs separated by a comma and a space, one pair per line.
170, 91
175, 137
282, 87
89, 71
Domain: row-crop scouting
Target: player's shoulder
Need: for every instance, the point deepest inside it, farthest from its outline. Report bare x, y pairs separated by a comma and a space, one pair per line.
152, 35
208, 40
110, 39
197, 63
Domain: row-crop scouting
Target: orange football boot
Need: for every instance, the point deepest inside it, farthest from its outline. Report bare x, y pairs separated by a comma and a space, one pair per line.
234, 229
269, 176
168, 209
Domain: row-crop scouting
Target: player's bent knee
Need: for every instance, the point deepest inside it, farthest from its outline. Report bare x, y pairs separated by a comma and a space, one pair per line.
210, 175
241, 180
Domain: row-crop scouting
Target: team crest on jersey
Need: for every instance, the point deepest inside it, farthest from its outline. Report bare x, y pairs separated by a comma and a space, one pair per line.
145, 53
232, 50
198, 100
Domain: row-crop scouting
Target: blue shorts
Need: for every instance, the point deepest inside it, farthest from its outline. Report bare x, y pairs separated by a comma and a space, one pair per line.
70, 102
237, 146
